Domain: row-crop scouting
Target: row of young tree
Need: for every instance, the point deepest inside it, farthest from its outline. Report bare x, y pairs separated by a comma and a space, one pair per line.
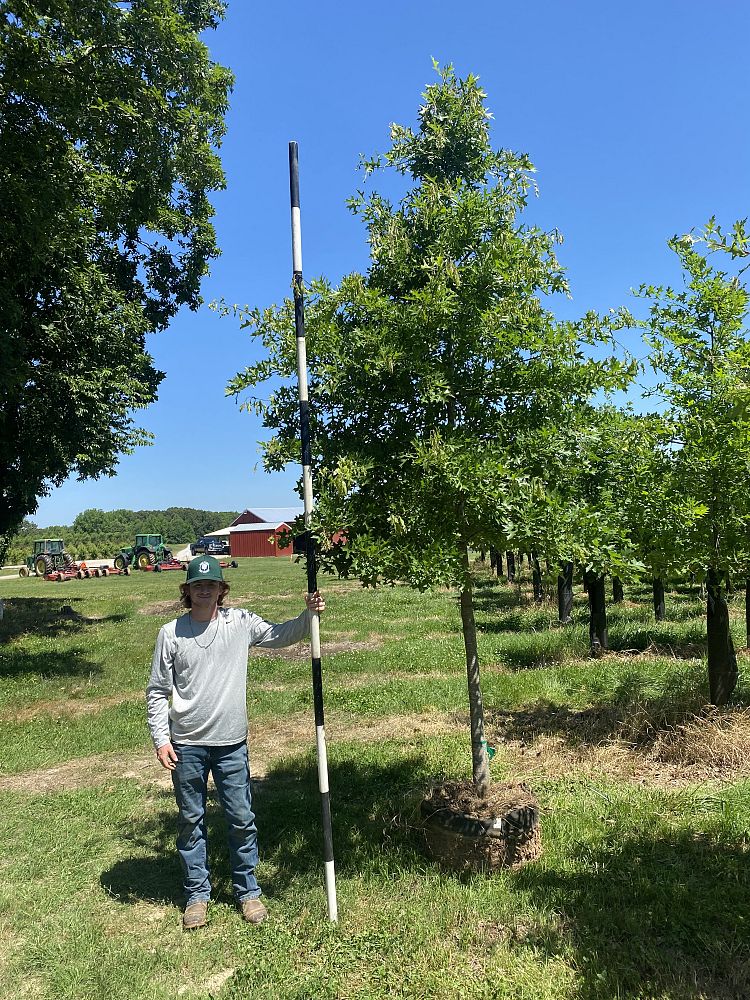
100, 534
452, 411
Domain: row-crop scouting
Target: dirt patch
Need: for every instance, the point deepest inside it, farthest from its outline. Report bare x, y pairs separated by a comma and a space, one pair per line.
371, 680
295, 735
422, 618
72, 708
212, 986
713, 747
719, 740
175, 608
676, 651
162, 608
302, 649
88, 771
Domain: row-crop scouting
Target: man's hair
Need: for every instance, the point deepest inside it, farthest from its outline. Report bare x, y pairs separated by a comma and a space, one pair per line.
186, 602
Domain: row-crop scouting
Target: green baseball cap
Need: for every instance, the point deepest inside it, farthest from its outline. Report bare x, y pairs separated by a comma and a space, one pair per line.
204, 568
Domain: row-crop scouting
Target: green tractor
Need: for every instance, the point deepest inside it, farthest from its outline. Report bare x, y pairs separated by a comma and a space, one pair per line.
147, 551
49, 554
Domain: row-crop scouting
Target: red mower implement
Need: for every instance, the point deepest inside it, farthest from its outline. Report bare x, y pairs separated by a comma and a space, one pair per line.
162, 567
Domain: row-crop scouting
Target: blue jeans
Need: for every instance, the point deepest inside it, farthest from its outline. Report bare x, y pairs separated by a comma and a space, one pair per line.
231, 774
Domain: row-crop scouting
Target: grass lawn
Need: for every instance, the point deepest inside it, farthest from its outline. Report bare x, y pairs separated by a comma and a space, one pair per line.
642, 889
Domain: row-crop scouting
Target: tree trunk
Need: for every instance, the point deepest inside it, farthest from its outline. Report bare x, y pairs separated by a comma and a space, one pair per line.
722, 662
496, 562
660, 610
597, 613
565, 594
510, 562
618, 595
479, 756
536, 577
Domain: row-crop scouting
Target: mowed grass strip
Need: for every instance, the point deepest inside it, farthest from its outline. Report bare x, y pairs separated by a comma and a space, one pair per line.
641, 890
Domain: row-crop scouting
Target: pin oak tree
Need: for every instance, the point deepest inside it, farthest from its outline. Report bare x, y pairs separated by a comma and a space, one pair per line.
430, 374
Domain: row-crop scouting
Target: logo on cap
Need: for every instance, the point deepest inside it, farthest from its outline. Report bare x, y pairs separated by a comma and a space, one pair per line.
204, 567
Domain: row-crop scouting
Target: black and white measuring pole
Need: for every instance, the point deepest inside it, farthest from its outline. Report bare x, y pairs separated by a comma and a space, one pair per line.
312, 575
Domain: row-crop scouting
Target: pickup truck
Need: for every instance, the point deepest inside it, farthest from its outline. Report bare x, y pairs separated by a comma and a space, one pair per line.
211, 546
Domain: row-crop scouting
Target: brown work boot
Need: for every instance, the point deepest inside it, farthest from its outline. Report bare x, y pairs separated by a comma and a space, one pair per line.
195, 915
253, 911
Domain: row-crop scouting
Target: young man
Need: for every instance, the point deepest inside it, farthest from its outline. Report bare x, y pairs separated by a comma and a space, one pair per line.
200, 661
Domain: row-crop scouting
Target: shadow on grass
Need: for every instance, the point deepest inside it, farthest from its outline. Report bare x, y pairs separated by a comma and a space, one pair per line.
521, 619
529, 639
497, 596
47, 616
50, 618
637, 710
633, 710
638, 911
68, 663
661, 640
649, 913
153, 873
288, 815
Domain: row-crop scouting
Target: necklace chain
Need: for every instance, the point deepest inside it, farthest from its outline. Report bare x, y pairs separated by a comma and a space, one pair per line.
195, 637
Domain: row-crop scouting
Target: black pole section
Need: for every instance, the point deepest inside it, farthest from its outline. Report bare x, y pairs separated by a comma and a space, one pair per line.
312, 576
510, 562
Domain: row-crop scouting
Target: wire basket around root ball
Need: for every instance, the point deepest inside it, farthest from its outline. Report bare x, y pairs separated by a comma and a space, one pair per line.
464, 832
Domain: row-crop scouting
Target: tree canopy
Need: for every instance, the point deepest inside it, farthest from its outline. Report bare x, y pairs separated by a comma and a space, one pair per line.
435, 375
110, 115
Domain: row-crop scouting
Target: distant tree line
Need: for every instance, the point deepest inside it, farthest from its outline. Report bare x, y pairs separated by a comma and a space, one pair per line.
99, 534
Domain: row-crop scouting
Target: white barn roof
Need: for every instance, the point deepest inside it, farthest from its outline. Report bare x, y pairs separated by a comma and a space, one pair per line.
263, 526
277, 514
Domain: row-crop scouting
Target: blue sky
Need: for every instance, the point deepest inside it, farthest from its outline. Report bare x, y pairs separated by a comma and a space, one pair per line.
635, 115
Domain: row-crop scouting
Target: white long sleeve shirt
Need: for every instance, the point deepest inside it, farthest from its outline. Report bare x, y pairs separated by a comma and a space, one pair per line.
202, 667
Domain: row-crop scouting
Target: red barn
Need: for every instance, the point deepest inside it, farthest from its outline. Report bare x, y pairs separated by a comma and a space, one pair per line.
256, 532
260, 538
